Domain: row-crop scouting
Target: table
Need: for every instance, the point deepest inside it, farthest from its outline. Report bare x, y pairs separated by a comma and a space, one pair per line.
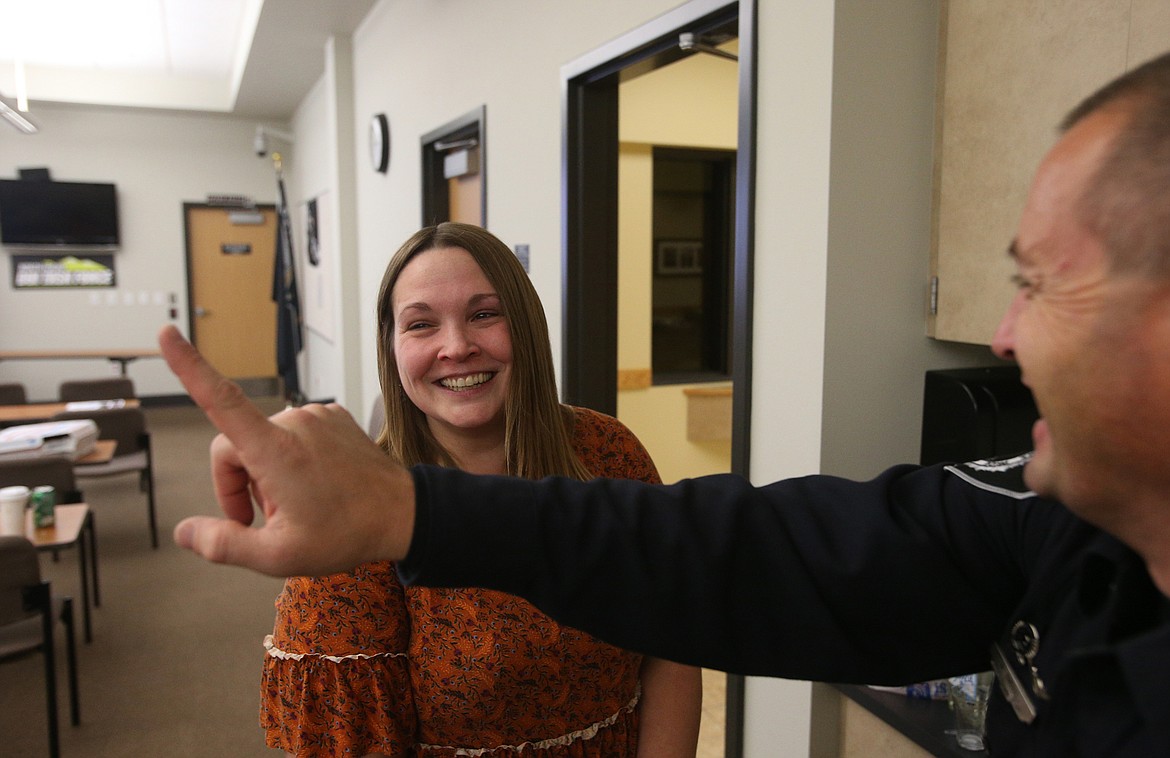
73, 525
925, 722
122, 357
30, 413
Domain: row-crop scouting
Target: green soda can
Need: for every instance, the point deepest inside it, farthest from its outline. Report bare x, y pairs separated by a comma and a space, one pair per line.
43, 499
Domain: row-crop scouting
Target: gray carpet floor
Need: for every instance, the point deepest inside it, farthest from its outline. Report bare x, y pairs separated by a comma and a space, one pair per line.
174, 665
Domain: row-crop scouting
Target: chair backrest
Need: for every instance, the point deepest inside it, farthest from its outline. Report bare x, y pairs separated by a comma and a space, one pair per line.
126, 425
12, 393
53, 470
19, 569
110, 388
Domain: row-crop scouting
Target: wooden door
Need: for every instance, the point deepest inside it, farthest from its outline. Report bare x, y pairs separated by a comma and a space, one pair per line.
465, 199
454, 171
230, 255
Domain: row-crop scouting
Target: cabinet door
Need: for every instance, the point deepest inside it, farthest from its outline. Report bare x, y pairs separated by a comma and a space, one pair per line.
1009, 72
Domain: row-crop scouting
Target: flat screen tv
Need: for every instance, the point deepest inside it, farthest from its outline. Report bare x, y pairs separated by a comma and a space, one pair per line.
47, 213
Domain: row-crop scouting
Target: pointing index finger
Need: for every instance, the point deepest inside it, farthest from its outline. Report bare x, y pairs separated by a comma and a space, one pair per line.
220, 398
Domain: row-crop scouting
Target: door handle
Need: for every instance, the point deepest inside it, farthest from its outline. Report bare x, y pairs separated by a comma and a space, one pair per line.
201, 312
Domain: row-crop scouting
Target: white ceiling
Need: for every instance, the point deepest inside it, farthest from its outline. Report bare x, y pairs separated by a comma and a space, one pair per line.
255, 58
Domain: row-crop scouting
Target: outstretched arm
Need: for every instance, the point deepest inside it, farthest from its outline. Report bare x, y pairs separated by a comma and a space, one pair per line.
812, 578
804, 578
296, 466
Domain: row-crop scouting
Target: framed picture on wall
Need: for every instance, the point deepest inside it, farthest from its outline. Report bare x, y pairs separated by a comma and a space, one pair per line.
678, 258
321, 273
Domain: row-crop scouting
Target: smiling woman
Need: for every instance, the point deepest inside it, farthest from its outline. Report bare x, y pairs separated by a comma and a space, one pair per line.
453, 350
357, 663
491, 278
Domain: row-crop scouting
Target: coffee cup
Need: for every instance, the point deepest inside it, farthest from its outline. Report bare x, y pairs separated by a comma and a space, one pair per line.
13, 501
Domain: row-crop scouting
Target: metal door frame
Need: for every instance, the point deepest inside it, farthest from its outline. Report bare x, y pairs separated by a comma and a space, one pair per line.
589, 119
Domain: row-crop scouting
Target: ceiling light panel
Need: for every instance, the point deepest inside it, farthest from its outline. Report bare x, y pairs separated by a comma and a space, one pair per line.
203, 36
165, 36
116, 34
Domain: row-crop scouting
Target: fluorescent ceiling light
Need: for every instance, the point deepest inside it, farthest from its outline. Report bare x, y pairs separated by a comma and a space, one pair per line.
21, 87
16, 118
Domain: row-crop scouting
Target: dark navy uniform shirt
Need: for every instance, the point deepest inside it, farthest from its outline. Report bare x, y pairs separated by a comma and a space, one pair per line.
914, 575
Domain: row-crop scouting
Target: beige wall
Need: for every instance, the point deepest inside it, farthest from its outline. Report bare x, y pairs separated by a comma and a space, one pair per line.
158, 160
843, 188
878, 238
424, 64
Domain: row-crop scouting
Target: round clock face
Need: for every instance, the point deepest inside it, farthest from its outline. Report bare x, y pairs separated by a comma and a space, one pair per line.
380, 142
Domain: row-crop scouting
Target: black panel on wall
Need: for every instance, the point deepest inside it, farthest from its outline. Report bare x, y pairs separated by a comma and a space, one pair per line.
975, 413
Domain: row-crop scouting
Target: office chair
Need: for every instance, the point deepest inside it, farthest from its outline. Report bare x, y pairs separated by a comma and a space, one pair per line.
53, 470
28, 612
110, 388
127, 426
12, 393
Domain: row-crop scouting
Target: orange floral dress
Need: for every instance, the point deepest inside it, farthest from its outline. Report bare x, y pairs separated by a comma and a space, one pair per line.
358, 664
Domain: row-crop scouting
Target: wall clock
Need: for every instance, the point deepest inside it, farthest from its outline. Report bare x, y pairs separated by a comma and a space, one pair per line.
380, 142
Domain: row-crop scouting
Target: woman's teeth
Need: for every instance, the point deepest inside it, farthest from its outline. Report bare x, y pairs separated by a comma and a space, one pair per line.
458, 383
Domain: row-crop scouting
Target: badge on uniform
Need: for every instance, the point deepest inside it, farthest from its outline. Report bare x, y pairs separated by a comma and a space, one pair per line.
1021, 644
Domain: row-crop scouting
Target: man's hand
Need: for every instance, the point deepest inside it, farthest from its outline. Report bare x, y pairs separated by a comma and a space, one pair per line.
331, 499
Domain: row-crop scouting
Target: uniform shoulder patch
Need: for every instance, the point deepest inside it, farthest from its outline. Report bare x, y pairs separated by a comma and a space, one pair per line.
1004, 476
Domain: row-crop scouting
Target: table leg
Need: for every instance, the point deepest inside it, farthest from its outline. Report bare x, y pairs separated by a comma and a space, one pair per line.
83, 561
123, 361
91, 528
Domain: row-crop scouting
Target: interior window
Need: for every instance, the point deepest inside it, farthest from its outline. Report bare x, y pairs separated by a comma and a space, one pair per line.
694, 192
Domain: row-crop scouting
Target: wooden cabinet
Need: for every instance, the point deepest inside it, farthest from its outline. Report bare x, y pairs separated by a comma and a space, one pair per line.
1009, 71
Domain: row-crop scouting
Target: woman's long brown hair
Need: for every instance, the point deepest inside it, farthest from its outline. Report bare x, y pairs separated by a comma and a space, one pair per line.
537, 436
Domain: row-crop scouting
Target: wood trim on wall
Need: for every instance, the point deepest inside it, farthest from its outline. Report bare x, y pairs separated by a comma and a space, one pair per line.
634, 379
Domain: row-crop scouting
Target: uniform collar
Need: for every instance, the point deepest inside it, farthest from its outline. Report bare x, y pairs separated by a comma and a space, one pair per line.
1128, 618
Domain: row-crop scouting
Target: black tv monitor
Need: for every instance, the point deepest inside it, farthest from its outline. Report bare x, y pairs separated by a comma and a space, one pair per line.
40, 213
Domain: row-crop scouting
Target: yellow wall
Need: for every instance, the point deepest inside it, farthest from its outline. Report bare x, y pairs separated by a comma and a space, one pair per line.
689, 104
658, 415
635, 201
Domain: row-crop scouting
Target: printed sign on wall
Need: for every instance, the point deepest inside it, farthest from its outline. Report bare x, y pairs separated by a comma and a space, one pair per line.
46, 271
321, 272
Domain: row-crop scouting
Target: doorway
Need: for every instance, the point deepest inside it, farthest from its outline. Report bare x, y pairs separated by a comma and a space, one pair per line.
591, 86
230, 257
454, 171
